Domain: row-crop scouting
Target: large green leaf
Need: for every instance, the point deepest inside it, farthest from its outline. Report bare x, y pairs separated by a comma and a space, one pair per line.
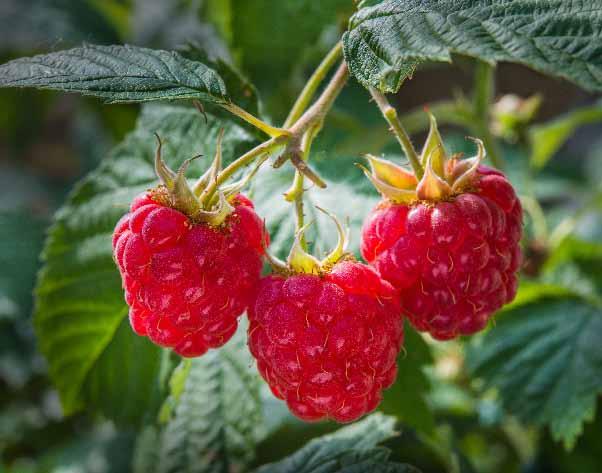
545, 358
93, 357
406, 398
557, 37
116, 74
349, 449
218, 419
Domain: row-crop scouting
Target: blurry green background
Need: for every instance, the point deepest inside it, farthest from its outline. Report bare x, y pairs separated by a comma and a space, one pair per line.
49, 140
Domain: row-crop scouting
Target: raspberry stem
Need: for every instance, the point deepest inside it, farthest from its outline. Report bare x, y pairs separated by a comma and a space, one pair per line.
402, 136
312, 84
264, 148
253, 120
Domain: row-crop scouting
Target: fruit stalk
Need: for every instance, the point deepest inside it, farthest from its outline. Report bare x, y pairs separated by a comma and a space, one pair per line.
316, 113
402, 136
253, 120
312, 85
266, 147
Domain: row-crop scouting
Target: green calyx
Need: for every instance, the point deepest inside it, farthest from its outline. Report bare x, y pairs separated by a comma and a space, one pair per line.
299, 261
443, 176
199, 203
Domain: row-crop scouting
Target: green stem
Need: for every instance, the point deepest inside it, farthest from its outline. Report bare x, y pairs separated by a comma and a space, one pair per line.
247, 158
484, 91
308, 124
312, 85
253, 120
313, 118
316, 113
402, 136
295, 193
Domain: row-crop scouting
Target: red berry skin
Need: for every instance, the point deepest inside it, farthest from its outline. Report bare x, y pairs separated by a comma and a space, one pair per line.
186, 284
327, 345
454, 262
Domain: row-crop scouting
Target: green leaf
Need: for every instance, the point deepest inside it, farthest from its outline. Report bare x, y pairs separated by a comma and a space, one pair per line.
240, 90
406, 398
557, 37
547, 138
117, 74
218, 419
545, 358
333, 452
80, 321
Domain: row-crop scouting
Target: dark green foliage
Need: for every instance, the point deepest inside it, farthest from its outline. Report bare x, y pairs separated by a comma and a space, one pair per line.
558, 37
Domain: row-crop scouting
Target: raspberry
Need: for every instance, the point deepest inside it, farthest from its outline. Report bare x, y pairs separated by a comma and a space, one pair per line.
327, 344
452, 248
187, 283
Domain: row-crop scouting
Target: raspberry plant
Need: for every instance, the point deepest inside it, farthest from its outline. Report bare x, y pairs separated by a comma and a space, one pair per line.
208, 306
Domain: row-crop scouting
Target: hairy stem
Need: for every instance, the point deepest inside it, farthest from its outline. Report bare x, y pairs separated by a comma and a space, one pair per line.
402, 136
312, 85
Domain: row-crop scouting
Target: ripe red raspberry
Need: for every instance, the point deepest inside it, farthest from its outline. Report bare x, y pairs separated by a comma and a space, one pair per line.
327, 344
186, 284
452, 250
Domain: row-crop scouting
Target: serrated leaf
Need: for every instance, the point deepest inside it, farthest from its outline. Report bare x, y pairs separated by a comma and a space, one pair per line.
406, 399
545, 358
240, 90
218, 419
117, 74
556, 37
331, 453
80, 303
547, 138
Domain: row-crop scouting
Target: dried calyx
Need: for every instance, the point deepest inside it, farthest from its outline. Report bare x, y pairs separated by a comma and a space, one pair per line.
299, 261
443, 177
199, 203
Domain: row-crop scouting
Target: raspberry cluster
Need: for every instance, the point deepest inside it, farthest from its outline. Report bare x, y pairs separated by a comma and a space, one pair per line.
186, 284
328, 344
453, 261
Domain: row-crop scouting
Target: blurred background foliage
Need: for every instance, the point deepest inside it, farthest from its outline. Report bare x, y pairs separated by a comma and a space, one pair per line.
551, 145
